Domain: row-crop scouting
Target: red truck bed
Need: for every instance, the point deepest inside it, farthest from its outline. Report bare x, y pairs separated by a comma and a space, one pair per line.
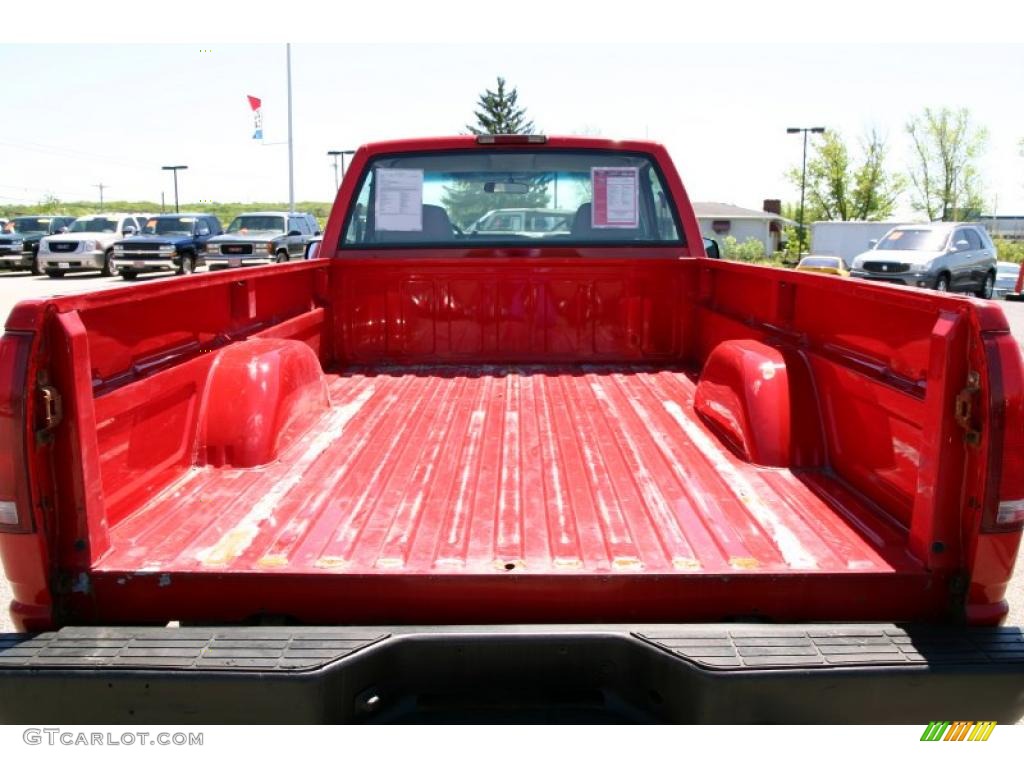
536, 470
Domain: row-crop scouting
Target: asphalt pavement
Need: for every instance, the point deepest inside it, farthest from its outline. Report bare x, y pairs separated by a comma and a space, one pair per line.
16, 286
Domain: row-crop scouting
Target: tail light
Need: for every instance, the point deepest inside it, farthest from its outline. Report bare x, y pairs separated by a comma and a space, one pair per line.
15, 504
1006, 468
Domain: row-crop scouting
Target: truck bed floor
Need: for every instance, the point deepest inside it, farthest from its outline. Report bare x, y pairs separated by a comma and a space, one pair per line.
532, 469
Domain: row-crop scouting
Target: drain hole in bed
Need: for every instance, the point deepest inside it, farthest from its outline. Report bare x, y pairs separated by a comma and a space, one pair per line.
510, 566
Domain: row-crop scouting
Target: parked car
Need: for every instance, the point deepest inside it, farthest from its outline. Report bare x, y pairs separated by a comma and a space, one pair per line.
945, 257
829, 265
261, 238
522, 221
169, 243
1006, 279
19, 244
87, 245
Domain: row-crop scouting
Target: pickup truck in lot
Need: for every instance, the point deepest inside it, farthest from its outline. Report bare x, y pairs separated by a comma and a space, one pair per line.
88, 244
168, 243
252, 239
434, 475
19, 241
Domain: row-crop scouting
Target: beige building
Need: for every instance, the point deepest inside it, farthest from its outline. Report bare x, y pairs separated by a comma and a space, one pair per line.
722, 220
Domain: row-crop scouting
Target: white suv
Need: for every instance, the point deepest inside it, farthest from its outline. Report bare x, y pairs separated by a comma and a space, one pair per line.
87, 245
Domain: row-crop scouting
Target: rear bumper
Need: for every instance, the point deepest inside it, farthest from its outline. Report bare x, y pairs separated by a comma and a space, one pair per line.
735, 673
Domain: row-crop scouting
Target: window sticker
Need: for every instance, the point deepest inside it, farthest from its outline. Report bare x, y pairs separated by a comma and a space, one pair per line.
616, 198
399, 200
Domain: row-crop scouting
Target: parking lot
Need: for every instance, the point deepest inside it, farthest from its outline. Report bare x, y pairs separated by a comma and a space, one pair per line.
17, 286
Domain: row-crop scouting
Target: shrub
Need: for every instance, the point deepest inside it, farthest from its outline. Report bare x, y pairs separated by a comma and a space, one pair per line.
1010, 250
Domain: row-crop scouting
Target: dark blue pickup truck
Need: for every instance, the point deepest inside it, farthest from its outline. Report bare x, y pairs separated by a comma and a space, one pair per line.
172, 242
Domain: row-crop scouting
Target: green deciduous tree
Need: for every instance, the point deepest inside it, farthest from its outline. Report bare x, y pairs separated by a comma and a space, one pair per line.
498, 112
843, 188
946, 147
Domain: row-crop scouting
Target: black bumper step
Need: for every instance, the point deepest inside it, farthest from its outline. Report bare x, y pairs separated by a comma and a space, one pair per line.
749, 673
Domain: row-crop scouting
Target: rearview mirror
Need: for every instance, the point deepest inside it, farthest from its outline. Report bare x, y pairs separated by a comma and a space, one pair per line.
295, 233
204, 231
506, 187
62, 230
872, 242
129, 231
312, 249
961, 245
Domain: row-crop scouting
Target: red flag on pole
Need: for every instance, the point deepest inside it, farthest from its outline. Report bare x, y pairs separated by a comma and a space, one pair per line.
254, 103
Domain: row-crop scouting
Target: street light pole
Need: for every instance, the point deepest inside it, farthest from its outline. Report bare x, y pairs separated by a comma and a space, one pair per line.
291, 173
803, 178
175, 169
336, 153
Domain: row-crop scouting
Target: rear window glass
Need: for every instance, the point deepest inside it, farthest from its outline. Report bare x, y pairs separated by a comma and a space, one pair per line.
501, 197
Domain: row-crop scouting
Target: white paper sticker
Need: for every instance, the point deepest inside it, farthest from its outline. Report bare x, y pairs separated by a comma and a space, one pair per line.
616, 198
399, 203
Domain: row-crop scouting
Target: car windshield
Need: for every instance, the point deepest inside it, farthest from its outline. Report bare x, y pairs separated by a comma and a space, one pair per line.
94, 225
169, 225
914, 240
498, 197
244, 224
25, 226
821, 261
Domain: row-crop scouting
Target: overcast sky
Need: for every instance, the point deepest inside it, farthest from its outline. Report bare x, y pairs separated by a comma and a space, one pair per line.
116, 113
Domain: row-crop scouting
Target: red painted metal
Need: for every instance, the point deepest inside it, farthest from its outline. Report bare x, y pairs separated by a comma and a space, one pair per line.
744, 395
512, 437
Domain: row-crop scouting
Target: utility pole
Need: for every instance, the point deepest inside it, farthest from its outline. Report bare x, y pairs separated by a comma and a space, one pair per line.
175, 169
336, 153
803, 179
101, 186
291, 173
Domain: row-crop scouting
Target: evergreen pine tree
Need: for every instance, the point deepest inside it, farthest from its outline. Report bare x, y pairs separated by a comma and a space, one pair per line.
498, 113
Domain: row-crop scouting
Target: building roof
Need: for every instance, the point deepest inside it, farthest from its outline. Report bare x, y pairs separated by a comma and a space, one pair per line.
728, 211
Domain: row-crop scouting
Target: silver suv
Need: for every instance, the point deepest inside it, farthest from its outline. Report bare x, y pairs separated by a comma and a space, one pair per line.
945, 257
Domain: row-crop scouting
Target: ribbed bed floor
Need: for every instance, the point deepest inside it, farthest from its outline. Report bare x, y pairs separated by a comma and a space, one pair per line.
533, 469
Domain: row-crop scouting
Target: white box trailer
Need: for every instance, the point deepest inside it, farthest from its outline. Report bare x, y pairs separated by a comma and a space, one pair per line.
847, 239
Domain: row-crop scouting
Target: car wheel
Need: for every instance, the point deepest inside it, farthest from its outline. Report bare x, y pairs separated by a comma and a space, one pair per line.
942, 284
282, 257
987, 287
109, 268
188, 265
55, 273
125, 275
36, 269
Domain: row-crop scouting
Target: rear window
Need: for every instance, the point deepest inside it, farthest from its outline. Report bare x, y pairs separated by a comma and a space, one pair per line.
503, 197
